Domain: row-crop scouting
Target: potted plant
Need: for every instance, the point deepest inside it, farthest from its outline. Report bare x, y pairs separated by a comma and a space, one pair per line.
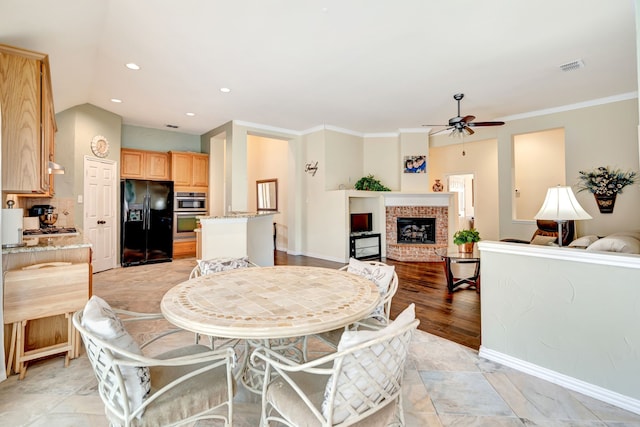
605, 184
371, 184
465, 239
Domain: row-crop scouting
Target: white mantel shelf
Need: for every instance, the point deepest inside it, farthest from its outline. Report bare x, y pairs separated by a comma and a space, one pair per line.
399, 198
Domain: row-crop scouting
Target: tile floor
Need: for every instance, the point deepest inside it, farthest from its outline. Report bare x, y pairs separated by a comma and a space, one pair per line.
446, 384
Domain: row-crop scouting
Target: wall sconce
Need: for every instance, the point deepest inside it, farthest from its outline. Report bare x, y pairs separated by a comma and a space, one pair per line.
311, 168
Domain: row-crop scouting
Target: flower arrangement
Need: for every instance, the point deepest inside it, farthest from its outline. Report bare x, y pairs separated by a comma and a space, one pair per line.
603, 181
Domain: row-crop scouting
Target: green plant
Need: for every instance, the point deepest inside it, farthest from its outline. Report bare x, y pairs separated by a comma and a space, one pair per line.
371, 184
605, 182
461, 237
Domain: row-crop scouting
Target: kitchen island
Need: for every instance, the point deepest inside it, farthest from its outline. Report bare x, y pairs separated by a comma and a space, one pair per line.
42, 332
237, 235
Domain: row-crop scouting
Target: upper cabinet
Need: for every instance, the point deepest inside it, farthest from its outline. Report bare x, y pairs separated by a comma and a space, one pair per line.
189, 171
28, 122
142, 164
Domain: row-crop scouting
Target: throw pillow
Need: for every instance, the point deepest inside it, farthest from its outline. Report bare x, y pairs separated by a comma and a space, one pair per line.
583, 242
381, 275
349, 389
101, 320
616, 243
217, 265
543, 240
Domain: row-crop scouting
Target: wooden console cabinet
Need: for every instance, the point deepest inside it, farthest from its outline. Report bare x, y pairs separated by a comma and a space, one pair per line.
28, 122
365, 246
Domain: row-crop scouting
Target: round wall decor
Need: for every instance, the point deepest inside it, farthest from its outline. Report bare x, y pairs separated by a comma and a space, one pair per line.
100, 146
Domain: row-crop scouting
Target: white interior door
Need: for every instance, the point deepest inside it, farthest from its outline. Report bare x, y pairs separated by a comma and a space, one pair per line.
100, 207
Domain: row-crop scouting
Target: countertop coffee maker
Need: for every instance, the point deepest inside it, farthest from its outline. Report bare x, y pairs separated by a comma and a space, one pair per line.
45, 214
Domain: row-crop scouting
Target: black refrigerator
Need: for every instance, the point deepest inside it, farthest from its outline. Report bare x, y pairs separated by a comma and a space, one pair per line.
147, 221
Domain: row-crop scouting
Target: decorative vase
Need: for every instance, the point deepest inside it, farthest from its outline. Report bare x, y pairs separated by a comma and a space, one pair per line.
466, 248
437, 187
605, 203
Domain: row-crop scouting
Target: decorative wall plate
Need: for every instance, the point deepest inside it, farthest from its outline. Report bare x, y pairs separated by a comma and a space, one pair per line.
100, 146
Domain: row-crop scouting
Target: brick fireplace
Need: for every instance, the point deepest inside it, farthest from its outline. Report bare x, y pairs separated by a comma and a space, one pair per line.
417, 251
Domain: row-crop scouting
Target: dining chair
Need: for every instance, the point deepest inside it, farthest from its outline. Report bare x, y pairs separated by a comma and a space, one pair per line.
216, 265
174, 388
386, 279
358, 385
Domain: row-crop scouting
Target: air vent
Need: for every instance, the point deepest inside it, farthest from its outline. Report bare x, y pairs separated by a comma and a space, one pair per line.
573, 65
173, 126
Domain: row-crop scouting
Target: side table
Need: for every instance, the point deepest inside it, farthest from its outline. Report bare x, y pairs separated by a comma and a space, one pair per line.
454, 282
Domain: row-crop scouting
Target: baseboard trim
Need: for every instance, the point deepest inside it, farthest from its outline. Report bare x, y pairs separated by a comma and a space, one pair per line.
597, 392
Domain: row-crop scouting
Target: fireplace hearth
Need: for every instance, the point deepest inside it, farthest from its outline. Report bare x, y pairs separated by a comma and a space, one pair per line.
416, 231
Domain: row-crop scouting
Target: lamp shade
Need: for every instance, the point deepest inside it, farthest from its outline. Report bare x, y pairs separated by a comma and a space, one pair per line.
561, 204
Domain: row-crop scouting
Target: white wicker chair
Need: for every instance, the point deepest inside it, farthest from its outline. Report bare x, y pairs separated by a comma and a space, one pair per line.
232, 263
358, 386
332, 337
187, 384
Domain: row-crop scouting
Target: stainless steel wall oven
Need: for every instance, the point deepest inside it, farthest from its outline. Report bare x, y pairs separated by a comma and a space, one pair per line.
187, 206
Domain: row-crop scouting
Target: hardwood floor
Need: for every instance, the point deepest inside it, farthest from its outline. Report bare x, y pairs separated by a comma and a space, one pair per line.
423, 283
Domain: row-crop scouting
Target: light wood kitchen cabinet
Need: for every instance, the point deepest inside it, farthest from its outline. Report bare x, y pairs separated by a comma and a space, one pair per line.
28, 121
189, 171
142, 164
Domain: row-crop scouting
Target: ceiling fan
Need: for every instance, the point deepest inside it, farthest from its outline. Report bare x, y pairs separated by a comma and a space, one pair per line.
460, 125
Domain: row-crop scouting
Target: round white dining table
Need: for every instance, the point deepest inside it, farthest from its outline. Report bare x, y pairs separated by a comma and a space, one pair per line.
270, 302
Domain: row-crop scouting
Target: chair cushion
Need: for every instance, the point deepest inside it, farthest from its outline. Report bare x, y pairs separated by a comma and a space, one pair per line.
217, 265
100, 319
381, 275
352, 338
200, 393
288, 403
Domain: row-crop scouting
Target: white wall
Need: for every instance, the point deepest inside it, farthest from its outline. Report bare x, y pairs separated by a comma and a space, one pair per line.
379, 155
565, 315
539, 163
342, 161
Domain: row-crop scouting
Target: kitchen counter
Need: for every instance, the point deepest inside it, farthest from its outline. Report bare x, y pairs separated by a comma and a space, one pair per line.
51, 244
236, 235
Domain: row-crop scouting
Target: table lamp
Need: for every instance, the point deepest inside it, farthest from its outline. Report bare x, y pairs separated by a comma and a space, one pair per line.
561, 205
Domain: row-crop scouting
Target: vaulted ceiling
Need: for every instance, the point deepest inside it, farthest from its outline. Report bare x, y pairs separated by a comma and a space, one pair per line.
365, 65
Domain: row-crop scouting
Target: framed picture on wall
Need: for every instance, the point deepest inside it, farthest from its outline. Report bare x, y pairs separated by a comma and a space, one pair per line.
415, 164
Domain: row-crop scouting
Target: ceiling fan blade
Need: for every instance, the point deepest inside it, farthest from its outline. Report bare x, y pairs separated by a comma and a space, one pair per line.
476, 124
467, 119
468, 130
441, 131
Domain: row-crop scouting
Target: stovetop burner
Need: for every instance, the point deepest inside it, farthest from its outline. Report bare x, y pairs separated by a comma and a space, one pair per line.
50, 230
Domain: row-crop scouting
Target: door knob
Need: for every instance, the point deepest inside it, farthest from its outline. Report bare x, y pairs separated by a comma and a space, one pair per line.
102, 222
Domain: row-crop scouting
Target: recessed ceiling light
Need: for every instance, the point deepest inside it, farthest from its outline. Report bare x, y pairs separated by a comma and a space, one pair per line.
116, 100
225, 90
190, 114
132, 66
